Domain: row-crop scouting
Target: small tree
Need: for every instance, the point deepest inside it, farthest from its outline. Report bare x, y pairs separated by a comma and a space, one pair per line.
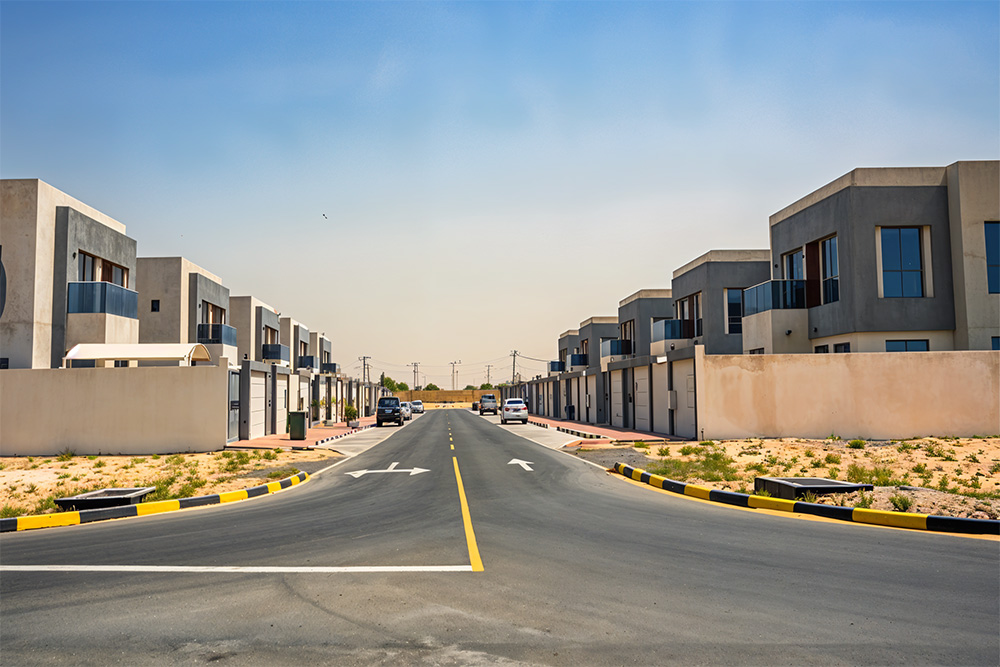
350, 413
468, 387
402, 386
389, 383
486, 385
432, 387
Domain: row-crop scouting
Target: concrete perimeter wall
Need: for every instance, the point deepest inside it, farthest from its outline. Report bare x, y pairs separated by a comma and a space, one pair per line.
883, 395
151, 410
446, 395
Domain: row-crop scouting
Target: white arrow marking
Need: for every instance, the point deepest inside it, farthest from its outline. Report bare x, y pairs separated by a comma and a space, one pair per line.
392, 468
524, 464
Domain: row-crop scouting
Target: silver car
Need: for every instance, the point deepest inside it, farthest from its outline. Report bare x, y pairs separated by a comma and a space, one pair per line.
407, 411
514, 408
417, 407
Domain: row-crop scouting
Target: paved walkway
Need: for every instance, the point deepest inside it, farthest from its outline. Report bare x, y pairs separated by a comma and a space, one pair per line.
597, 433
315, 435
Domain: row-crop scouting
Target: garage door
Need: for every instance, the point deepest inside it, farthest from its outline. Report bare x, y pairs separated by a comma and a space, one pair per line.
258, 404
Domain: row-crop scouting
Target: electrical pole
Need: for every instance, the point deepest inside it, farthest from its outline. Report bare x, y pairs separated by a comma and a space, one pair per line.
364, 368
416, 374
453, 374
488, 367
513, 369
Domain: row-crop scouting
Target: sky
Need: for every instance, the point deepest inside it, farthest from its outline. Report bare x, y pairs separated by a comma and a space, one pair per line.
438, 181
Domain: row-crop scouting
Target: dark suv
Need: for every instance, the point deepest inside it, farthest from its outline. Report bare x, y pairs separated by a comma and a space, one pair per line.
389, 410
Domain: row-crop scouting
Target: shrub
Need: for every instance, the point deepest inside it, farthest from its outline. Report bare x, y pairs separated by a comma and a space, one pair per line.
995, 468
641, 445
900, 502
809, 497
98, 464
832, 459
833, 473
809, 453
904, 447
663, 451
688, 450
865, 500
763, 493
66, 455
856, 444
920, 468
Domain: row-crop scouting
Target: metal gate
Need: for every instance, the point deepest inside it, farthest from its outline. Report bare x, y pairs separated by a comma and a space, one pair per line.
234, 406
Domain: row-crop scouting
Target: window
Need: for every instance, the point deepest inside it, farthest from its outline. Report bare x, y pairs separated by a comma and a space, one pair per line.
993, 256
830, 269
907, 346
154, 306
93, 269
121, 363
841, 347
821, 349
902, 264
756, 350
628, 332
996, 342
734, 310
212, 314
584, 346
794, 266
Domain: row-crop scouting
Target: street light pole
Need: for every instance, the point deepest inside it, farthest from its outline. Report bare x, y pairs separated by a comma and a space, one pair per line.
453, 374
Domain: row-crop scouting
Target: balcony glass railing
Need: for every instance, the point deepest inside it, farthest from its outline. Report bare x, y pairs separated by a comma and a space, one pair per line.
578, 360
672, 330
308, 361
329, 367
275, 352
101, 297
557, 366
217, 333
616, 347
774, 295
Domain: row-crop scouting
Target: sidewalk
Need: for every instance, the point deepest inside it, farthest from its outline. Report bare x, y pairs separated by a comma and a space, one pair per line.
602, 433
315, 436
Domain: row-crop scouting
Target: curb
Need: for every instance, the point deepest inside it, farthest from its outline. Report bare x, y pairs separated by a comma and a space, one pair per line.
333, 437
142, 509
944, 524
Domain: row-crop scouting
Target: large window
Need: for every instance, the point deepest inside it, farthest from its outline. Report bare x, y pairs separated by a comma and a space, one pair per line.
628, 332
830, 267
902, 263
996, 342
794, 266
212, 314
94, 269
993, 256
734, 310
907, 346
841, 347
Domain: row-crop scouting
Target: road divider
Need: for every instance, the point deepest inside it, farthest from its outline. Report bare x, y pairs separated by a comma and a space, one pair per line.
143, 509
944, 524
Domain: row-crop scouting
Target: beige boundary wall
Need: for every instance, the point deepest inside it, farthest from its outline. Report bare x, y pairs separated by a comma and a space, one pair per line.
879, 395
151, 410
445, 395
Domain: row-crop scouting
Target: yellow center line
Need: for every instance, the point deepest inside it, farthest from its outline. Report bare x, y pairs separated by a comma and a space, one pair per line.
453, 446
470, 535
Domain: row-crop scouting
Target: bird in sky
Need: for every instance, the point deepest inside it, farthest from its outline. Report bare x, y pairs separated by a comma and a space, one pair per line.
324, 217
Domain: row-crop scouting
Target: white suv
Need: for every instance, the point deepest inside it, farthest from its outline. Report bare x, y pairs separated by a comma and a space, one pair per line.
514, 408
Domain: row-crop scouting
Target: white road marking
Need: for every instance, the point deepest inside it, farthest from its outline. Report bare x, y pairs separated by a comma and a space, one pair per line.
524, 464
392, 468
250, 569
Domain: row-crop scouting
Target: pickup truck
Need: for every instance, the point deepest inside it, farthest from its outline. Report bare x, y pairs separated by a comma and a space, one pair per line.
488, 403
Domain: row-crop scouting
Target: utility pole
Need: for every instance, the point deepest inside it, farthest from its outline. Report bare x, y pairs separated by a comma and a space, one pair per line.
416, 374
453, 374
488, 367
364, 368
513, 369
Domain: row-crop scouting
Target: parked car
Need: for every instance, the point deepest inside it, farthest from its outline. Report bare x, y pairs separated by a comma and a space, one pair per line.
417, 407
475, 405
407, 410
389, 410
514, 408
487, 403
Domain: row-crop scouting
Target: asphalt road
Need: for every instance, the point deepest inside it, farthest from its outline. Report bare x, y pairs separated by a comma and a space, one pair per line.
578, 567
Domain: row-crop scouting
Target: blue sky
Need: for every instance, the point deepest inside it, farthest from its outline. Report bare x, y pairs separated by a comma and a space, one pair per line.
491, 173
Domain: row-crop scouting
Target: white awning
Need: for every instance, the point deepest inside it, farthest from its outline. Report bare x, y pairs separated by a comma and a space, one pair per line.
139, 352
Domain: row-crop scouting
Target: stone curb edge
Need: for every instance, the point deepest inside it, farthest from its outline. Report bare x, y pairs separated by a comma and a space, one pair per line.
946, 524
334, 437
142, 509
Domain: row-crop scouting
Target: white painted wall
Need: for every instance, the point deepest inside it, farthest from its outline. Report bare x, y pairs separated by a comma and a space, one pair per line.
642, 402
113, 410
616, 398
684, 384
660, 405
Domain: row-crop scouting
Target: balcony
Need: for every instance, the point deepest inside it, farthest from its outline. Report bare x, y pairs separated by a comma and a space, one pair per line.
308, 361
577, 361
329, 367
275, 352
616, 348
774, 295
219, 334
557, 366
102, 297
673, 330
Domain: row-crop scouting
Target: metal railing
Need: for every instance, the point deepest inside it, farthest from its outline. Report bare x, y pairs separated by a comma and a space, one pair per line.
616, 347
672, 330
275, 351
557, 366
578, 360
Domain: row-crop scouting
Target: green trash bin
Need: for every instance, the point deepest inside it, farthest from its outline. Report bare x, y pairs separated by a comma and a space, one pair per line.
297, 425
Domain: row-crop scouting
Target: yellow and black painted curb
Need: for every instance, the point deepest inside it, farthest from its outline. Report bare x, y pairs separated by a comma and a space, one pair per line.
142, 509
945, 524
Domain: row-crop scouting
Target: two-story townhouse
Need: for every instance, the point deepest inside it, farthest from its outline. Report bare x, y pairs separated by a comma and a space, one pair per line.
883, 260
69, 273
626, 361
180, 302
327, 385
